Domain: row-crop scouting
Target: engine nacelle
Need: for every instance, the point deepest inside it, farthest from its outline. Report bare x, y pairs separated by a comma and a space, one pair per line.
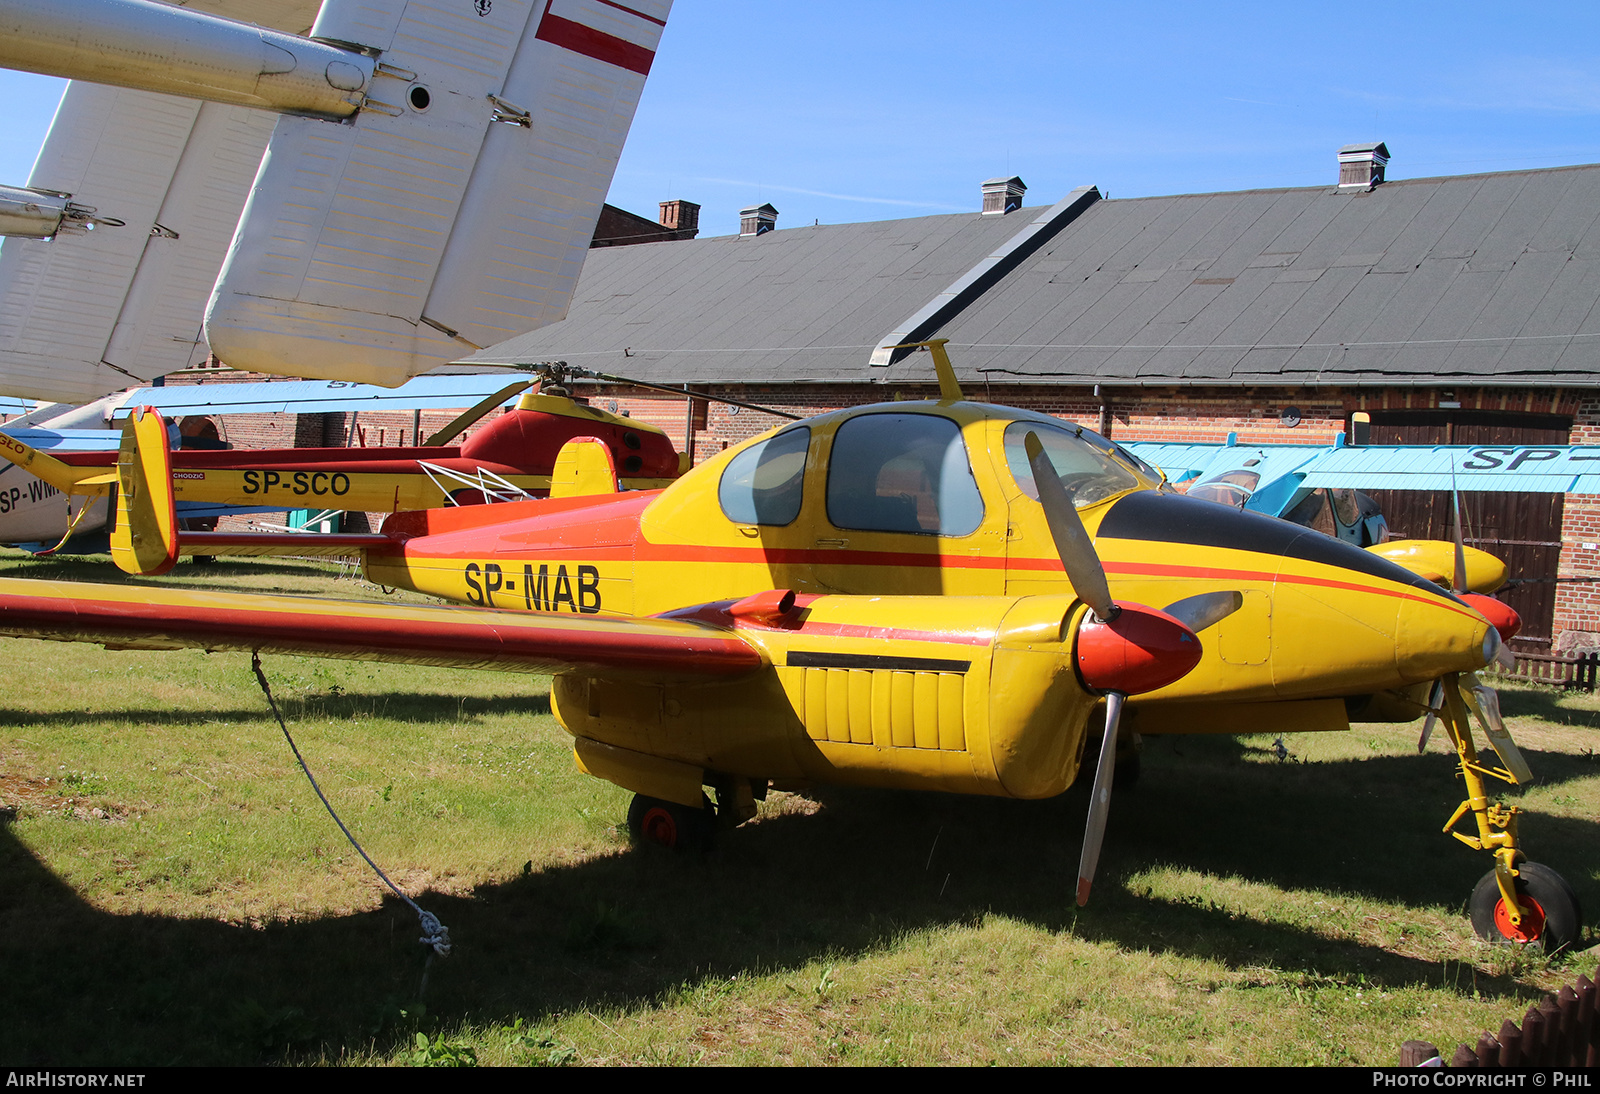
971, 695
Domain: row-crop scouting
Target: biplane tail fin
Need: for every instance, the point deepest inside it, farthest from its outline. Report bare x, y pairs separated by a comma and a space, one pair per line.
145, 537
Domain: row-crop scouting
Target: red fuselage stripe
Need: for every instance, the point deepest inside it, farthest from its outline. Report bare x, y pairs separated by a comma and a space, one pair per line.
812, 556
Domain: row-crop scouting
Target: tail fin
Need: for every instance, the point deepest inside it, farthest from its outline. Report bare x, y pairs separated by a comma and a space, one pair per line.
145, 539
583, 466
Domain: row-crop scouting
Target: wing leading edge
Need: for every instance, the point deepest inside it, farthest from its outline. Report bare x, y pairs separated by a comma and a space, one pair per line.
145, 617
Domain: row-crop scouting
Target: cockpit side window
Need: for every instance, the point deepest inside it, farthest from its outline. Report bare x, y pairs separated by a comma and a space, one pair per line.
902, 473
1087, 470
765, 483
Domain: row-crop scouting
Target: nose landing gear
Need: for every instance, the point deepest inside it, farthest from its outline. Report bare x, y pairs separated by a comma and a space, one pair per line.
1549, 914
1518, 901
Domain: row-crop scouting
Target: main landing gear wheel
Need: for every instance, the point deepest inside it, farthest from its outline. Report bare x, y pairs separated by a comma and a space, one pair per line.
656, 823
1551, 916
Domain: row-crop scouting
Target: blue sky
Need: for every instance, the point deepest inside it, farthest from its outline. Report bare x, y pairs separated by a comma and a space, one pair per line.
839, 111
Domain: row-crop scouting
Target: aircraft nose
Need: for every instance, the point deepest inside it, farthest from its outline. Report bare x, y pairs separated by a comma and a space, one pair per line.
1337, 619
1440, 636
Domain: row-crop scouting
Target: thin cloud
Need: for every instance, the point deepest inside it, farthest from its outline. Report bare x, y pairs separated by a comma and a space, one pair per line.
836, 197
1519, 85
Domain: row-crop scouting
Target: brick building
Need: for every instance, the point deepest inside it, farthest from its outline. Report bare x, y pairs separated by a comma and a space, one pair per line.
1457, 308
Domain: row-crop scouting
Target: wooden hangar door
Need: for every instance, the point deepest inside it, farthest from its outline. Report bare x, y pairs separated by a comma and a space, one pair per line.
1524, 530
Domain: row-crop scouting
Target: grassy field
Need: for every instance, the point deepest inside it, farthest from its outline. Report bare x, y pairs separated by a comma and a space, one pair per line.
172, 892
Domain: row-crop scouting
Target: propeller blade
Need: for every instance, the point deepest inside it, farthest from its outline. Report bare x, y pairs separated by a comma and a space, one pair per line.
1435, 704
1208, 609
1459, 580
1072, 541
1484, 702
1505, 658
1100, 799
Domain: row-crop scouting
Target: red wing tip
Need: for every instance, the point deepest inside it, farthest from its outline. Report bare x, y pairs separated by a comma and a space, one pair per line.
1083, 891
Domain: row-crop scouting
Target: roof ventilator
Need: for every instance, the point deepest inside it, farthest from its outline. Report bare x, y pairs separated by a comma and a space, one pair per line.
1361, 166
1002, 196
757, 220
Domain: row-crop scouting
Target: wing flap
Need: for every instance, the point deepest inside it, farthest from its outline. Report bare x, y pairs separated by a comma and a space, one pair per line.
149, 617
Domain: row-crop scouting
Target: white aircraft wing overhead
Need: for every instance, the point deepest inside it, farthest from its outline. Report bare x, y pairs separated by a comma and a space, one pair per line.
1517, 468
454, 211
90, 311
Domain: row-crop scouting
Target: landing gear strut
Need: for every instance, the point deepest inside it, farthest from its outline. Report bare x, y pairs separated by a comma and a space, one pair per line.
1518, 901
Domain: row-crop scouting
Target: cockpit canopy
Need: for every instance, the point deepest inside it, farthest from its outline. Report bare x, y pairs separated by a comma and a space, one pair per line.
910, 471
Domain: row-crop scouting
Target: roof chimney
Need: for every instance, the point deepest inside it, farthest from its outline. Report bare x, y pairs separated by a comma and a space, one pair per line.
683, 217
1001, 196
1361, 166
757, 220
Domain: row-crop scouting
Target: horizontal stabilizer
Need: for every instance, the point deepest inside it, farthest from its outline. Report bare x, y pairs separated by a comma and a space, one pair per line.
279, 544
63, 476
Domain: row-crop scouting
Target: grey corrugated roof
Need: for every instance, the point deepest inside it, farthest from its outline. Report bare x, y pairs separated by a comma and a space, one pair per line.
794, 304
1472, 279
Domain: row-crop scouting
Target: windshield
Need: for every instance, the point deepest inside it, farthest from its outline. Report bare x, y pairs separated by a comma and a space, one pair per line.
1231, 488
1086, 468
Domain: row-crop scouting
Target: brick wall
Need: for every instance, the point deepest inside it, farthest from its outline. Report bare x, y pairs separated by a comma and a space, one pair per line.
1155, 415
1578, 601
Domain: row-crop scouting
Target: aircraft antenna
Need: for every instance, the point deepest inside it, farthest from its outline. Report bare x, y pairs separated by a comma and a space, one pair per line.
949, 390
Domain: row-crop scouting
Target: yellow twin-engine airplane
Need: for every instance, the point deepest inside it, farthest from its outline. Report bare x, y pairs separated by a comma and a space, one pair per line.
939, 595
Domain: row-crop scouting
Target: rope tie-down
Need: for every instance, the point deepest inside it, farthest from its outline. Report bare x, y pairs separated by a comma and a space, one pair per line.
434, 933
